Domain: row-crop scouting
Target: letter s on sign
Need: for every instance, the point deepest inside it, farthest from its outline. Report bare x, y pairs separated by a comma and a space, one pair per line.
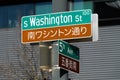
25, 24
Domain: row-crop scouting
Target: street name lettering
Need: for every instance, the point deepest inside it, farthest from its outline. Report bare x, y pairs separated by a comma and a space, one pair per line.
56, 19
68, 50
54, 26
49, 34
34, 21
68, 63
68, 56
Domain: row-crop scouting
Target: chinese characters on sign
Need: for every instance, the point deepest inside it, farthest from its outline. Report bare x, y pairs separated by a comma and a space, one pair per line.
68, 63
47, 34
68, 56
55, 26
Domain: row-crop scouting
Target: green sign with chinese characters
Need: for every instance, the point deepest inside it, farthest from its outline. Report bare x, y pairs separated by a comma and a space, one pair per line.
68, 50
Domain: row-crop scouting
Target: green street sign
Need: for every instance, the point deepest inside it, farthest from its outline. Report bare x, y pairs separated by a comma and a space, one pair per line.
56, 19
68, 50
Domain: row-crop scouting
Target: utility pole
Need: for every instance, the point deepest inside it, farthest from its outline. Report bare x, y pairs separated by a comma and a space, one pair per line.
58, 6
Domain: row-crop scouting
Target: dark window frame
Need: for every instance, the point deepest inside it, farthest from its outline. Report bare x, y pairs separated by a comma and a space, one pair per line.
14, 2
107, 15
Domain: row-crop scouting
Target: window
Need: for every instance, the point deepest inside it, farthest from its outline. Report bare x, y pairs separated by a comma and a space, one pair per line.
81, 4
108, 11
43, 8
11, 15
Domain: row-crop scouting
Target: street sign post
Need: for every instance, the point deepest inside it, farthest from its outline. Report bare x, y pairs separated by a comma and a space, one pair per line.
55, 26
68, 56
